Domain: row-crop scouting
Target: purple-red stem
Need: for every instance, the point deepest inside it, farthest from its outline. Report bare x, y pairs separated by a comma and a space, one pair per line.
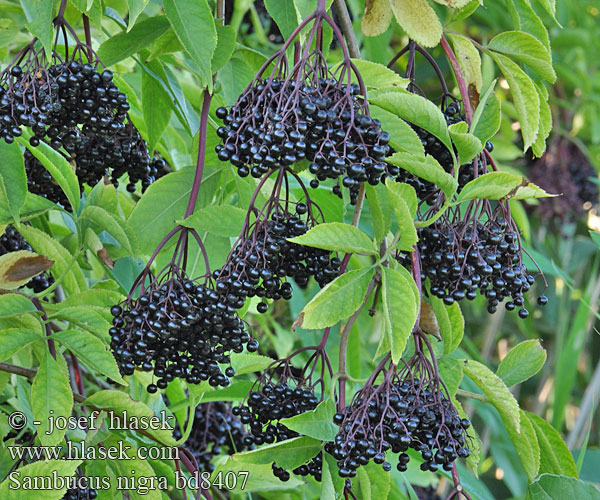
460, 79
51, 346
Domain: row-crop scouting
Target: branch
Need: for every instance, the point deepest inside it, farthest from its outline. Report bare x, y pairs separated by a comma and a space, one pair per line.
347, 28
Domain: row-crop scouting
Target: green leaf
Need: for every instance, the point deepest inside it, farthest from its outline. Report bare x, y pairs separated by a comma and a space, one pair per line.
194, 25
522, 362
496, 391
14, 304
377, 17
555, 457
125, 44
526, 19
337, 237
91, 351
248, 363
12, 340
525, 48
119, 229
327, 486
284, 14
288, 454
165, 201
500, 186
419, 20
317, 423
525, 97
400, 307
451, 373
451, 323
44, 244
469, 60
135, 467
428, 169
156, 106
527, 447
58, 167
337, 301
377, 75
259, 478
224, 220
34, 205
406, 192
467, 145
402, 135
225, 44
118, 403
380, 210
555, 487
51, 397
539, 146
236, 391
487, 116
374, 482
13, 180
135, 7
41, 24
417, 110
405, 219
43, 470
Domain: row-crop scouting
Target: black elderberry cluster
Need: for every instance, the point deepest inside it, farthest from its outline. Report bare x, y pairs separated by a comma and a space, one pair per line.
178, 329
428, 493
268, 404
461, 259
80, 494
215, 430
278, 122
396, 416
262, 260
55, 100
13, 241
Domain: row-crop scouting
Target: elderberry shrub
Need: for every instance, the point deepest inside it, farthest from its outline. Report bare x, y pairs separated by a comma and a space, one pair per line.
263, 258
466, 256
178, 328
215, 430
407, 410
13, 241
278, 122
278, 394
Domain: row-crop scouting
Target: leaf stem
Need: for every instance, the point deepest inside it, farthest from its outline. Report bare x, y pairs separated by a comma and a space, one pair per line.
460, 79
472, 395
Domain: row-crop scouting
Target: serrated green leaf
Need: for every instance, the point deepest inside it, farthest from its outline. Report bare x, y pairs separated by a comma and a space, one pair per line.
135, 9
419, 20
44, 244
525, 19
404, 218
40, 25
118, 402
226, 36
417, 110
156, 106
374, 482
284, 13
194, 25
380, 210
487, 116
337, 301
522, 362
259, 477
555, 457
496, 391
317, 423
499, 186
377, 17
428, 169
248, 363
451, 373
58, 167
13, 340
13, 180
225, 220
539, 146
400, 307
91, 351
527, 447
13, 490
467, 145
451, 323
402, 135
525, 97
555, 487
469, 60
337, 237
527, 49
33, 206
124, 44
51, 397
288, 454
14, 304
377, 75
327, 486
406, 192
135, 467
119, 229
